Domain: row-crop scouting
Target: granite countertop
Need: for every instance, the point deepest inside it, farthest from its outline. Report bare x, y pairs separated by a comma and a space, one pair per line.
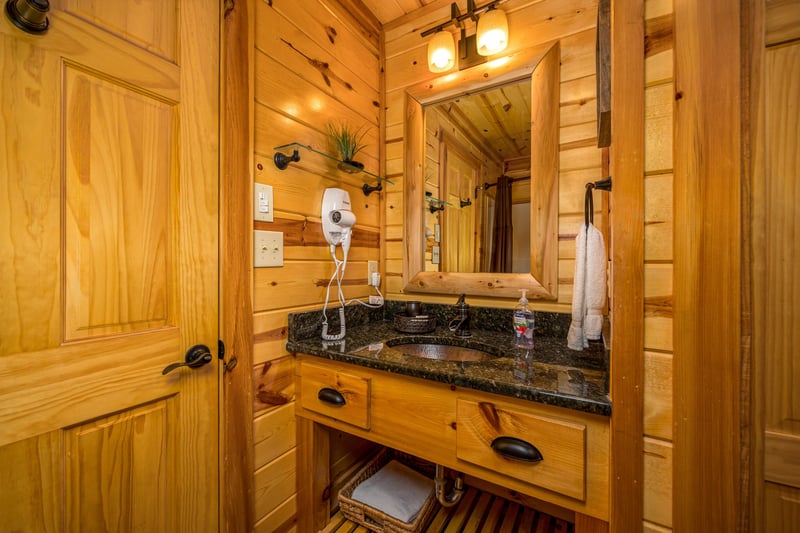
560, 376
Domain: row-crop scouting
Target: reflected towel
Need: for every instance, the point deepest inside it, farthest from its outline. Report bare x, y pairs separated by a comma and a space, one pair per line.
589, 289
395, 490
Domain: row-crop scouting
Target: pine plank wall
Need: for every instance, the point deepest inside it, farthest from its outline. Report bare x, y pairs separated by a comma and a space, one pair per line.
315, 61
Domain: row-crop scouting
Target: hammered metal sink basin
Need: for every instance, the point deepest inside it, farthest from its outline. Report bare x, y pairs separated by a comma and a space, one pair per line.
442, 352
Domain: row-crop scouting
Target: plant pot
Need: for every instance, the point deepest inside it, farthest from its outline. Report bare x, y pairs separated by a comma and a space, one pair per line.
351, 167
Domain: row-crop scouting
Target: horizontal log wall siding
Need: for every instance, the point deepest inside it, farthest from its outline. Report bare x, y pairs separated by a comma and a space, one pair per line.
531, 23
314, 62
658, 223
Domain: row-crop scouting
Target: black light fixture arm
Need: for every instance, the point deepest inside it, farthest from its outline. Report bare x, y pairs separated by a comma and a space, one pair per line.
457, 18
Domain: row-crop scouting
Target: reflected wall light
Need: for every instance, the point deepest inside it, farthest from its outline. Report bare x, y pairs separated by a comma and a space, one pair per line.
490, 38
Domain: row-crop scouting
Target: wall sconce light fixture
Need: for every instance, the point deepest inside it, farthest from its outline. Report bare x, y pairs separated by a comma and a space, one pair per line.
491, 37
492, 32
441, 52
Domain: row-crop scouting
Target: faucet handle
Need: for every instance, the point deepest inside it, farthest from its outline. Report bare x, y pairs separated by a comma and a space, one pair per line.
461, 303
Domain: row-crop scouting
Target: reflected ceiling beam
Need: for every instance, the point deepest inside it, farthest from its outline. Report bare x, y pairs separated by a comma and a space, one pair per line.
468, 129
495, 120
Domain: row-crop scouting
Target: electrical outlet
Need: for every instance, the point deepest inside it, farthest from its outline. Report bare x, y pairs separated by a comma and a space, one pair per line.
262, 208
372, 268
267, 248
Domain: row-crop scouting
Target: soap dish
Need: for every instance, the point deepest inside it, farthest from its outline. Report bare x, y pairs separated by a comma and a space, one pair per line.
414, 324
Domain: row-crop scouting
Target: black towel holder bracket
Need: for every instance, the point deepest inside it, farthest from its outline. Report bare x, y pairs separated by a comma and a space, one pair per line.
588, 202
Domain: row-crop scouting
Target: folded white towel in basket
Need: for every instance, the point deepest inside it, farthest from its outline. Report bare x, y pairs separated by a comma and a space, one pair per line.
395, 490
589, 288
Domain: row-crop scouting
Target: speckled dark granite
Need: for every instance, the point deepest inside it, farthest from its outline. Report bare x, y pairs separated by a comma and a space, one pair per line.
562, 377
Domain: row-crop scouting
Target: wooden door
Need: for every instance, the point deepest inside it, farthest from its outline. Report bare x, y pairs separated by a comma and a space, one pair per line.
776, 295
108, 268
775, 266
458, 221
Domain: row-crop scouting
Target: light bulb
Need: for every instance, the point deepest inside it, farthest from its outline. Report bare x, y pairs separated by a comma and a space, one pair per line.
492, 32
441, 52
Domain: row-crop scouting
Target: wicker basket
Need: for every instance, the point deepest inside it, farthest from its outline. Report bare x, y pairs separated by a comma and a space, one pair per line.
374, 519
414, 324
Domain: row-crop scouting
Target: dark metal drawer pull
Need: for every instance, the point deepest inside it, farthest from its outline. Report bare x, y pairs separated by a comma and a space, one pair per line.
517, 449
331, 396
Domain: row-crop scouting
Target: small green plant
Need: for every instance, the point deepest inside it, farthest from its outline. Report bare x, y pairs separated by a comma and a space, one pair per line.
346, 141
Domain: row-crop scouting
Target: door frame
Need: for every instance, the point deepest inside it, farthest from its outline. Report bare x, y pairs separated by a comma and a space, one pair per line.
236, 499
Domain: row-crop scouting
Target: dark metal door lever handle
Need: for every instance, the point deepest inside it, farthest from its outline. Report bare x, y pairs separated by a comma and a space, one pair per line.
196, 356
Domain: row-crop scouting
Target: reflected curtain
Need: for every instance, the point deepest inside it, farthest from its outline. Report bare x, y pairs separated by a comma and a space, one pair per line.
501, 248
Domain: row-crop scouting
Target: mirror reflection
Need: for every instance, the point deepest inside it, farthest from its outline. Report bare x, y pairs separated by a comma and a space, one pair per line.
423, 237
477, 181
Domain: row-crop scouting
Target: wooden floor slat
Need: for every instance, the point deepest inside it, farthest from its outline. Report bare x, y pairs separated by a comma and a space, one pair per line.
477, 512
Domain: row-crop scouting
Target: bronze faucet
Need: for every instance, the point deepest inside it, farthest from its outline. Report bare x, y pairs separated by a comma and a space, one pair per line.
460, 324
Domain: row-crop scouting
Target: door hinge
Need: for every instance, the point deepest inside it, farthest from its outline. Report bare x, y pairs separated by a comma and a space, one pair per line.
220, 349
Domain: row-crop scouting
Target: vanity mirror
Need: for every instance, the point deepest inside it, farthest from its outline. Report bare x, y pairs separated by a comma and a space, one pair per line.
464, 264
478, 161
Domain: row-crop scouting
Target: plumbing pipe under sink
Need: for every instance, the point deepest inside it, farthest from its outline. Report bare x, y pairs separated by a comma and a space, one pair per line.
448, 500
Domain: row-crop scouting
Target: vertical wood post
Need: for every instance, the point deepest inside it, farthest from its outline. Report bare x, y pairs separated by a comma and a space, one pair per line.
236, 309
707, 266
627, 265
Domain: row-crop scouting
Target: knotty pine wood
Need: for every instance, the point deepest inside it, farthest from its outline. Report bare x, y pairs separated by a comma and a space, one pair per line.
707, 464
282, 519
273, 384
657, 482
781, 508
274, 433
753, 47
627, 162
658, 395
577, 118
82, 107
313, 61
481, 511
427, 428
275, 483
236, 324
770, 127
780, 22
313, 466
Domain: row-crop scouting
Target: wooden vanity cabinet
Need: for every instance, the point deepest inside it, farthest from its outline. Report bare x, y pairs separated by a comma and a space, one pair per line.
455, 427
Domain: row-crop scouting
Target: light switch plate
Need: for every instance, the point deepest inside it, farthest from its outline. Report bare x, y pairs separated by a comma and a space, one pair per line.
263, 207
435, 255
267, 248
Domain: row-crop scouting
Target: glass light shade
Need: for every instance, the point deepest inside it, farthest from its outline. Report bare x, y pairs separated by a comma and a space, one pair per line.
441, 52
492, 32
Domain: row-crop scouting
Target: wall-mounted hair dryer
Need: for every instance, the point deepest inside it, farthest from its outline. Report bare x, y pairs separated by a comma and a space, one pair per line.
337, 218
337, 224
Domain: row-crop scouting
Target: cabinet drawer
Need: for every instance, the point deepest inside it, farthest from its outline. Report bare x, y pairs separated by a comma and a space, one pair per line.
562, 445
339, 395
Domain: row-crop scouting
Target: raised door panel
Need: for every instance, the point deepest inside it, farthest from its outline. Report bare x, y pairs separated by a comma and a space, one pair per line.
119, 174
119, 473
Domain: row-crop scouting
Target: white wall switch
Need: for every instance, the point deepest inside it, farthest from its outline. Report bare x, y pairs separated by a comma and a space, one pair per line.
263, 207
435, 255
268, 248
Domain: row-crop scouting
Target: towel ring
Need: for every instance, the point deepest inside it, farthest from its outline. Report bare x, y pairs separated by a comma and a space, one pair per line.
588, 201
588, 205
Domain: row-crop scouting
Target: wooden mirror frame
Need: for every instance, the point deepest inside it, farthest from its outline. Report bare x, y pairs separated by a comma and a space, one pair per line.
542, 64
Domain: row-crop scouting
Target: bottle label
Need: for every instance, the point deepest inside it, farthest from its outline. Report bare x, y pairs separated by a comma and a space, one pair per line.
523, 329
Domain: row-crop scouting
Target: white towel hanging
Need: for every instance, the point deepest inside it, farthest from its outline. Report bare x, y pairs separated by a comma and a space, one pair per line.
589, 289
